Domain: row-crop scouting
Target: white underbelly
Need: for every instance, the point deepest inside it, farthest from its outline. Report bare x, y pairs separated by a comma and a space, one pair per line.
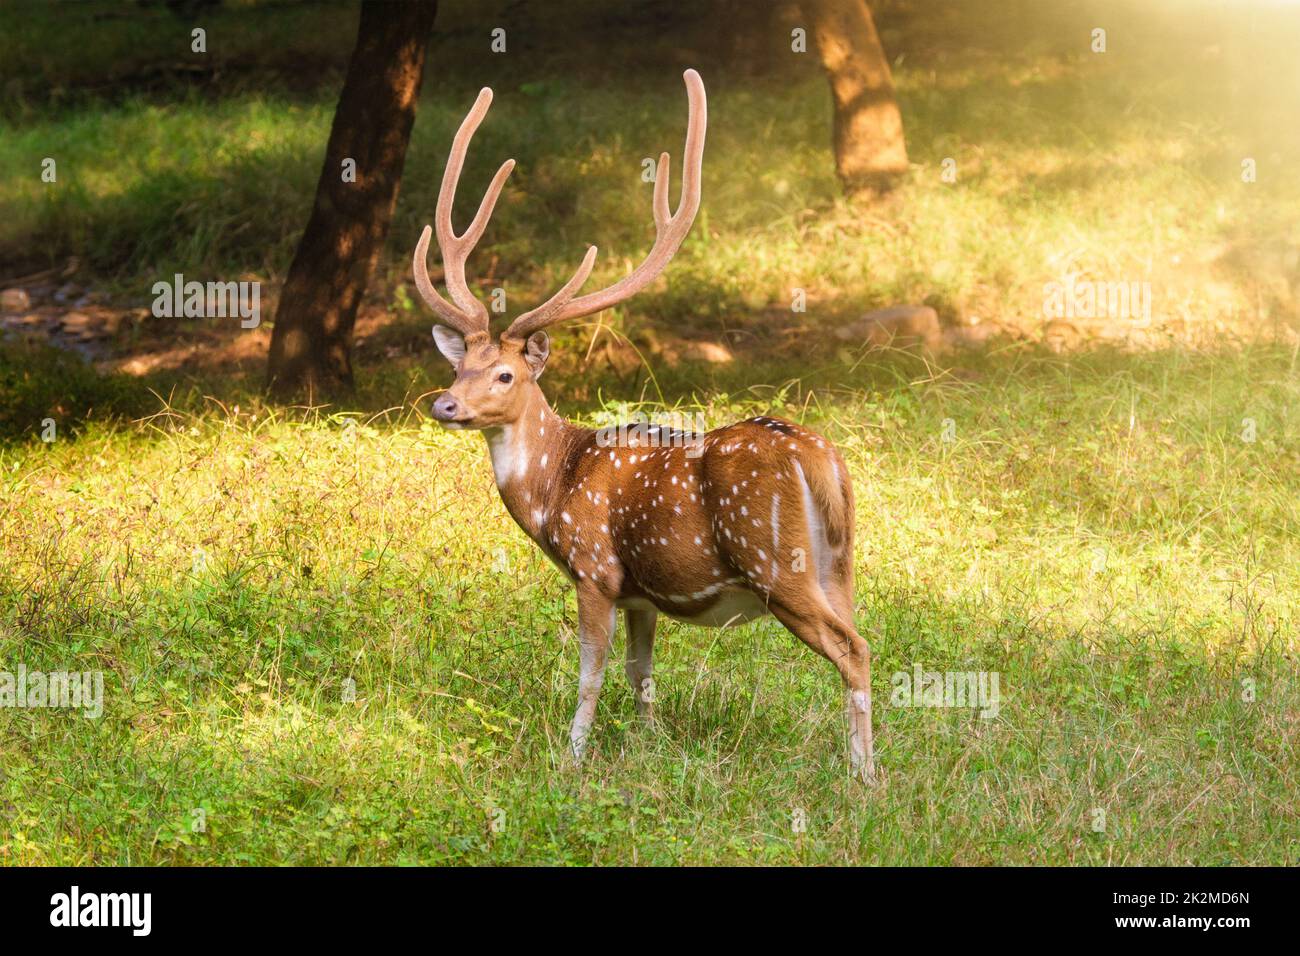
731, 608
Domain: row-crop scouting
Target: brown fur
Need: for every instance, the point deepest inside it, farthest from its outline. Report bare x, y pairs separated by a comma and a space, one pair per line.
656, 528
759, 521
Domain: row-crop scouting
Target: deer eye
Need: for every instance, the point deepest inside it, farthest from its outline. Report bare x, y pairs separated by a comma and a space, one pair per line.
505, 378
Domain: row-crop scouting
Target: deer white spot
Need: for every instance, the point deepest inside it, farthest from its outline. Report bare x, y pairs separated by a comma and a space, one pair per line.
565, 516
545, 459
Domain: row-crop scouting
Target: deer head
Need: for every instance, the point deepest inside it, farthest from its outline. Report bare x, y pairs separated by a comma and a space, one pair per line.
494, 379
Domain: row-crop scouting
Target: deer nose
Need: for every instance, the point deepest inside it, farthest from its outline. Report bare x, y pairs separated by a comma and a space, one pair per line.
445, 408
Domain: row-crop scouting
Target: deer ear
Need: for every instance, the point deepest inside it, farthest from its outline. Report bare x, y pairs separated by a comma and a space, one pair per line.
536, 352
450, 343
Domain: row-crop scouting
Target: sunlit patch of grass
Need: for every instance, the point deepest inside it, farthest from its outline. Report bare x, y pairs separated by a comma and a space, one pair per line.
311, 642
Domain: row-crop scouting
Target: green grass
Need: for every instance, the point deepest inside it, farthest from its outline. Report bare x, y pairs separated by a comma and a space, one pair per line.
1095, 528
332, 553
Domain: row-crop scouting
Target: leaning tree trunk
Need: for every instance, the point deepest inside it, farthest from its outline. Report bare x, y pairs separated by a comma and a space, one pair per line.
870, 153
311, 343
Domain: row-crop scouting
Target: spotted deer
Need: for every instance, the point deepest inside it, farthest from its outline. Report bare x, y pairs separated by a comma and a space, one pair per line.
745, 520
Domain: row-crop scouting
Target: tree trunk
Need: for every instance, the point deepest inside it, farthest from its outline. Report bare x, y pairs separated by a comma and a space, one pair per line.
870, 153
311, 343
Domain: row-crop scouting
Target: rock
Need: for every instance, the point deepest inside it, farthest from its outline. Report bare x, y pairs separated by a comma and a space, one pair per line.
674, 350
1060, 336
899, 326
706, 352
15, 300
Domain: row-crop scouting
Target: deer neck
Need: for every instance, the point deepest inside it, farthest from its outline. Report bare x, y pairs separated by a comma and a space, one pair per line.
528, 457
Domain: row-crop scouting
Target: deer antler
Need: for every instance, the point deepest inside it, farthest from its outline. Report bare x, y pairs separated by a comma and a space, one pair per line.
670, 230
468, 316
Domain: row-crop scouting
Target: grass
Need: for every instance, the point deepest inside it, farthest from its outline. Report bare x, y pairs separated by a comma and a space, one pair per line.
322, 635
378, 552
1123, 166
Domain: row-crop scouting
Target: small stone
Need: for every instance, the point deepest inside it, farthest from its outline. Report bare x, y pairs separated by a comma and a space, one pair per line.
15, 300
1061, 336
899, 325
706, 352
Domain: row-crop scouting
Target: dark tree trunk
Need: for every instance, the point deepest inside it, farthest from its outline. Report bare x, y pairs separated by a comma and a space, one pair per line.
870, 153
311, 343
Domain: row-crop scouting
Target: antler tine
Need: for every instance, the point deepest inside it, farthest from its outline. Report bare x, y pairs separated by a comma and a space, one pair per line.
469, 315
670, 230
544, 314
662, 174
448, 313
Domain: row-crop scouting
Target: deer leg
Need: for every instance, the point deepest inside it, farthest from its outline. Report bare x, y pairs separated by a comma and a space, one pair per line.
858, 687
818, 626
595, 630
640, 659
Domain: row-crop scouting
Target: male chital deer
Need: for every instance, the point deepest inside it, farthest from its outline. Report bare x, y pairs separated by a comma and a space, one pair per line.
752, 518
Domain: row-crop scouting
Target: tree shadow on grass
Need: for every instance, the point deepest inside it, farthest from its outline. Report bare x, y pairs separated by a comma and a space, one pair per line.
38, 384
